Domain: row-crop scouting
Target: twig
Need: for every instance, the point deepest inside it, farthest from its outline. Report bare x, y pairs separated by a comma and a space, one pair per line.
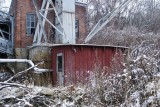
13, 84
4, 87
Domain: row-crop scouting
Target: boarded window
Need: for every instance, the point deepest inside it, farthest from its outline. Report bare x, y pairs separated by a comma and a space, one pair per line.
30, 23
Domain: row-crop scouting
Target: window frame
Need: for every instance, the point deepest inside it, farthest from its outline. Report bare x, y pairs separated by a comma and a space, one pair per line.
29, 23
62, 63
60, 72
77, 29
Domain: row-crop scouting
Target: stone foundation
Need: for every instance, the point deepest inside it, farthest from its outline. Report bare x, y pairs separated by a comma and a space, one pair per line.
20, 53
37, 55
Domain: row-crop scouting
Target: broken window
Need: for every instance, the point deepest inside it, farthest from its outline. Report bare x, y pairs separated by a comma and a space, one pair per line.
4, 31
30, 23
77, 28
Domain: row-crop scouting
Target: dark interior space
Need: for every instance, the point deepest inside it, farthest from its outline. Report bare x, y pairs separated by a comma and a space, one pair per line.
5, 30
3, 55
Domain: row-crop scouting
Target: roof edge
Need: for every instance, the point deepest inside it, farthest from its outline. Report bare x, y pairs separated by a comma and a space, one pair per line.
56, 45
81, 4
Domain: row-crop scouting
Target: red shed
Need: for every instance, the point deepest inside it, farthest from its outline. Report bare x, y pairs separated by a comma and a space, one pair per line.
71, 63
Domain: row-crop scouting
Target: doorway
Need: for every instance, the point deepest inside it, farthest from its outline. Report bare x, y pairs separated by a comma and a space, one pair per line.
60, 68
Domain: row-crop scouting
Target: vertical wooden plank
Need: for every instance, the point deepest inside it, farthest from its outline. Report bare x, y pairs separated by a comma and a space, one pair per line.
79, 72
85, 63
68, 64
54, 77
90, 62
89, 59
75, 60
65, 52
73, 54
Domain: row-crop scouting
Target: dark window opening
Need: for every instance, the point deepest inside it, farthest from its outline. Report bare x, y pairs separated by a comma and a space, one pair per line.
4, 31
30, 23
77, 28
60, 62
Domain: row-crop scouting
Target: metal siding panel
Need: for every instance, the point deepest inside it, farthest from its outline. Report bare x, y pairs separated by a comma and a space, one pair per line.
69, 6
63, 50
78, 64
85, 63
69, 27
89, 59
92, 59
74, 65
89, 65
69, 65
108, 56
100, 55
80, 59
66, 11
58, 6
54, 79
75, 60
103, 57
73, 54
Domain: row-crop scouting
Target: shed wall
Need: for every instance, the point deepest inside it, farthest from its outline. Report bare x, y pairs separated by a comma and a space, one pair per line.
80, 60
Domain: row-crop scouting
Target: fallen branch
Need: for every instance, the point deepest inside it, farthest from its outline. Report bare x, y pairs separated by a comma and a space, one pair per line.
4, 87
13, 85
36, 69
22, 72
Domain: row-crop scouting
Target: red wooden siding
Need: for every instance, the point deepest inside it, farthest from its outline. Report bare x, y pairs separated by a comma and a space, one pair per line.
79, 60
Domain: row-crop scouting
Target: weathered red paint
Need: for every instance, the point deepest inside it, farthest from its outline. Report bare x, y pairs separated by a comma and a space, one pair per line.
80, 59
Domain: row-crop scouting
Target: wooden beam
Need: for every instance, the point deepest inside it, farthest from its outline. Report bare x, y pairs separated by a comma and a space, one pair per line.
36, 35
40, 22
2, 34
52, 24
43, 22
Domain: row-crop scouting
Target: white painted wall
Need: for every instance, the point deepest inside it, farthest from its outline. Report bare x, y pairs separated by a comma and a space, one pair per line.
66, 12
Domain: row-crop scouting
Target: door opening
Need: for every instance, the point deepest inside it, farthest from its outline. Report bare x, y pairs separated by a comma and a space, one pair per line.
60, 69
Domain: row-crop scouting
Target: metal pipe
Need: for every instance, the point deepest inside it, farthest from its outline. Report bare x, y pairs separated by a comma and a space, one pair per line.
37, 70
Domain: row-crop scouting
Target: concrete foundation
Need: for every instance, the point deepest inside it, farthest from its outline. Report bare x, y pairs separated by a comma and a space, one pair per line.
20, 53
38, 54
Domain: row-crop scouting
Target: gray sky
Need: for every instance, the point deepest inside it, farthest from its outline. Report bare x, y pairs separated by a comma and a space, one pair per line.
5, 5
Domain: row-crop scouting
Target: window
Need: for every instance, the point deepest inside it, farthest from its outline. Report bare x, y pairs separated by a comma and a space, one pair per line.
30, 23
60, 62
77, 28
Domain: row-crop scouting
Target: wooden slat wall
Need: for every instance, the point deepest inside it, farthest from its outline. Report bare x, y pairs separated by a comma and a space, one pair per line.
79, 60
